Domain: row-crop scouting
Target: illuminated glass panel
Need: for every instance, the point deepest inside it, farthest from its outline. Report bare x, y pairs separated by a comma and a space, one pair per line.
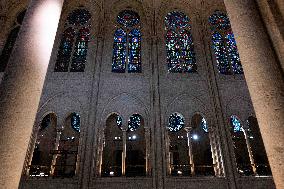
236, 124
220, 53
134, 51
177, 19
119, 121
65, 51
69, 49
224, 45
80, 52
187, 51
79, 17
128, 18
176, 122
204, 125
233, 54
179, 43
134, 122
75, 122
173, 53
119, 51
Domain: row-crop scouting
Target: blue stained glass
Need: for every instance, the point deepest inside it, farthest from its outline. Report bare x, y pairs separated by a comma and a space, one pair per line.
79, 17
236, 124
134, 51
119, 51
224, 44
65, 51
119, 121
220, 53
220, 21
233, 54
204, 125
176, 19
75, 121
80, 51
176, 122
179, 44
173, 52
187, 52
128, 18
134, 122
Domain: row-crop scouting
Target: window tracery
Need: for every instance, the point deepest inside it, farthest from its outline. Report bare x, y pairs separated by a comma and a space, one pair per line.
127, 43
71, 49
179, 43
224, 44
123, 149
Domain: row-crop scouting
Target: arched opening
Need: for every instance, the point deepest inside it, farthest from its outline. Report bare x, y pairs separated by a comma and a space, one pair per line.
242, 156
201, 147
179, 43
257, 147
135, 147
127, 43
112, 147
66, 155
45, 143
178, 148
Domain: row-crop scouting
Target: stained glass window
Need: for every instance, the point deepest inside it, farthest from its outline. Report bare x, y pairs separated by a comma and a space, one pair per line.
204, 125
179, 43
134, 122
128, 18
176, 122
80, 52
74, 42
236, 123
127, 43
224, 45
134, 55
119, 121
119, 51
75, 121
8, 47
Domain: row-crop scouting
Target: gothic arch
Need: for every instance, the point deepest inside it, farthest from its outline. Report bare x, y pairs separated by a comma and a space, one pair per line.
118, 104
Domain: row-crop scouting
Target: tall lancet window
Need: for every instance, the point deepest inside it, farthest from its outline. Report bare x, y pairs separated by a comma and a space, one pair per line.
11, 39
179, 43
127, 43
224, 45
72, 53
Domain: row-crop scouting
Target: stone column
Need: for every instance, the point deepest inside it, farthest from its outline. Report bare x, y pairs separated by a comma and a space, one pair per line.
264, 79
22, 85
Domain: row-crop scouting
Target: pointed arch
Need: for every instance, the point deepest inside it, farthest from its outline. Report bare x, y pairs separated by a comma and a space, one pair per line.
77, 26
224, 44
179, 43
42, 158
127, 43
66, 155
201, 147
112, 147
